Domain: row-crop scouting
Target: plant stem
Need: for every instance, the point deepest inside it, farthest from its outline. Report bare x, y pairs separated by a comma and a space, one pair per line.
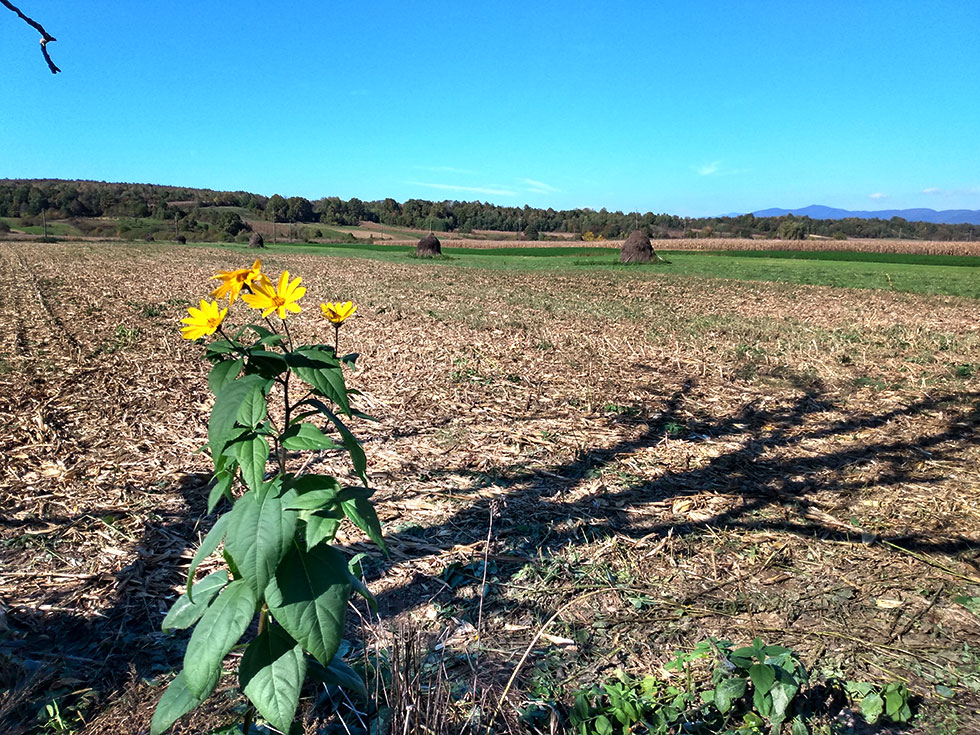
238, 348
287, 409
336, 339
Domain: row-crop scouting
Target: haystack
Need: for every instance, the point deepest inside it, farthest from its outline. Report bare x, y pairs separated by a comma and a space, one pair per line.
428, 247
256, 241
637, 248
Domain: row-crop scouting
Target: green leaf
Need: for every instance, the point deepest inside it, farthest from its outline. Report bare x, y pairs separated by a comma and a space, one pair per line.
776, 650
208, 545
339, 674
225, 411
970, 603
309, 483
896, 702
221, 489
728, 690
872, 707
271, 674
176, 702
603, 726
267, 364
360, 588
322, 526
361, 512
252, 453
763, 677
353, 446
266, 336
307, 436
221, 347
321, 369
308, 597
783, 691
232, 567
185, 612
742, 658
317, 499
260, 534
858, 688
799, 726
216, 633
223, 373
252, 409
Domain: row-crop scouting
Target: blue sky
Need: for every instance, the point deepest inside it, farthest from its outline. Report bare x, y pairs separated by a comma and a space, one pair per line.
694, 108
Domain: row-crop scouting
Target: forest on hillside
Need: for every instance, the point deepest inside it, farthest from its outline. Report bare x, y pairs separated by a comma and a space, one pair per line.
227, 213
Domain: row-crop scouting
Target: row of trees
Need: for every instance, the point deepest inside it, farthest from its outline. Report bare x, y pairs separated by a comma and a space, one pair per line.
24, 198
87, 199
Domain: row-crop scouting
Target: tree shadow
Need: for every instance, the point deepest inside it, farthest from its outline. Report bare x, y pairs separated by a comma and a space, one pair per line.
82, 659
753, 473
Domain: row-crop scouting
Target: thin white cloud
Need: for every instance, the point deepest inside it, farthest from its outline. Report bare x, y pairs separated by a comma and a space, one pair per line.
932, 190
540, 187
718, 168
468, 189
878, 195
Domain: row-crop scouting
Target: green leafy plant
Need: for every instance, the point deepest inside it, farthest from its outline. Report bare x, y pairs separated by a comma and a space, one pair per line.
273, 397
890, 701
754, 690
625, 703
776, 675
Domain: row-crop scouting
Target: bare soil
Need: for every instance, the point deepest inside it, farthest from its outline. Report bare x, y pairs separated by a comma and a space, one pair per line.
653, 460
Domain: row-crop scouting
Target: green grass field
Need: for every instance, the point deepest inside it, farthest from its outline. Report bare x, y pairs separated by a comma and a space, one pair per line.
929, 274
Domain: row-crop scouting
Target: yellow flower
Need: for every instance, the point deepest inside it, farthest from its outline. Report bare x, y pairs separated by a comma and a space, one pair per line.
203, 321
338, 312
280, 299
232, 282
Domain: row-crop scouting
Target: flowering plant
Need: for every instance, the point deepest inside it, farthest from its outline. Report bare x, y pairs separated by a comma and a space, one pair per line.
273, 399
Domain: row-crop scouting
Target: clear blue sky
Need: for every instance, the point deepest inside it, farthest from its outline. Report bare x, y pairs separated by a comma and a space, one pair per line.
693, 108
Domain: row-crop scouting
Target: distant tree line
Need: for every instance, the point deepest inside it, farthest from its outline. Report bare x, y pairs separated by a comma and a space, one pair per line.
220, 213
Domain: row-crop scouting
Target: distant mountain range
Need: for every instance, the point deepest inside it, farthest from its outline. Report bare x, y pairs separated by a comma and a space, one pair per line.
817, 211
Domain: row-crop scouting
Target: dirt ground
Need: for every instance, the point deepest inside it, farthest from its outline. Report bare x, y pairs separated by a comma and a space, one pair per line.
642, 460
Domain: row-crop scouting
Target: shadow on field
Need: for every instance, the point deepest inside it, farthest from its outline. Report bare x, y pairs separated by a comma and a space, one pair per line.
752, 473
86, 659
80, 661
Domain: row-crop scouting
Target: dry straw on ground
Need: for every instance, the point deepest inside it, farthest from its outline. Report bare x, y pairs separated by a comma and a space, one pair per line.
797, 463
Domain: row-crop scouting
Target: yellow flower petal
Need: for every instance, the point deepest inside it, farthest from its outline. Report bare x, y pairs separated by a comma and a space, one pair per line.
336, 313
202, 321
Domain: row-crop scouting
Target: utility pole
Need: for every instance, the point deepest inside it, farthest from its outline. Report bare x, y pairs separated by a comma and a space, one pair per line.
44, 223
176, 229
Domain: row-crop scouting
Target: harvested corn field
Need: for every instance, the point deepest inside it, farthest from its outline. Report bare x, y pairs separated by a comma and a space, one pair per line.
577, 473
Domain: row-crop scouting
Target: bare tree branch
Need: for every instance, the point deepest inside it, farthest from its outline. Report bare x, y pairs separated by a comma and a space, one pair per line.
45, 36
